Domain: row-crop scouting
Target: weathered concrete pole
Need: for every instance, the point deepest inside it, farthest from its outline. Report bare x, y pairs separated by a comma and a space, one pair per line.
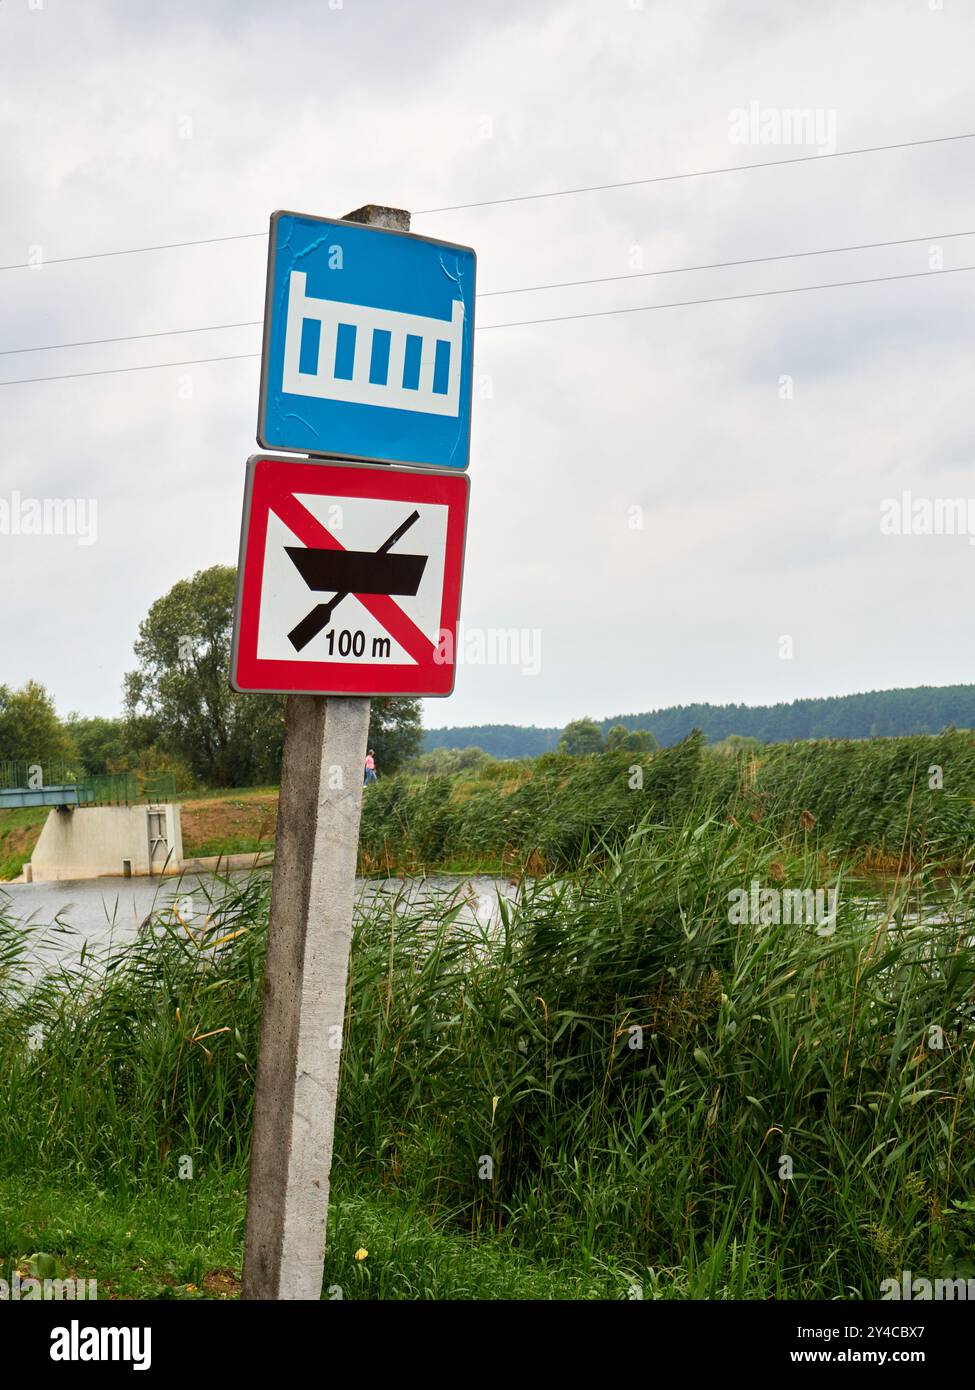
309, 933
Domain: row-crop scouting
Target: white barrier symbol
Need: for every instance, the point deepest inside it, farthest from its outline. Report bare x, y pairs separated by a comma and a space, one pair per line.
322, 382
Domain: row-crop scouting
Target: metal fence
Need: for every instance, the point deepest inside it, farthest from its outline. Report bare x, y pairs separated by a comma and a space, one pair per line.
160, 788
21, 773
105, 789
109, 789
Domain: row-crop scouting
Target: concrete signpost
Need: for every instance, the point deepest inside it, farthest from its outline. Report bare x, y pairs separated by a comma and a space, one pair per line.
348, 586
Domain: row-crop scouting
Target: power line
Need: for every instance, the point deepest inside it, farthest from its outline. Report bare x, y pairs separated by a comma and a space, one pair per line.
131, 337
724, 265
726, 298
147, 367
524, 289
532, 197
525, 323
133, 251
699, 173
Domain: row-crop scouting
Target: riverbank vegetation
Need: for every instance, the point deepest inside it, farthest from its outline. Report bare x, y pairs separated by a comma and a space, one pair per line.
616, 1088
884, 803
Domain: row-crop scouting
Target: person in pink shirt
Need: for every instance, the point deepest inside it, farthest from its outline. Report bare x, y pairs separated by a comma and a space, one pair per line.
370, 768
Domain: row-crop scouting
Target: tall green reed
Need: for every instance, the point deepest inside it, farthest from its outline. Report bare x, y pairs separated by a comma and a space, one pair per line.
613, 1067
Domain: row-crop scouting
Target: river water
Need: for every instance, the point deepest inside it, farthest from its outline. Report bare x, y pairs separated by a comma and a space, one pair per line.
95, 916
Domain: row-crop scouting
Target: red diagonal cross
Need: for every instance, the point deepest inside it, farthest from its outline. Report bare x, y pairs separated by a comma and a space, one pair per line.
311, 532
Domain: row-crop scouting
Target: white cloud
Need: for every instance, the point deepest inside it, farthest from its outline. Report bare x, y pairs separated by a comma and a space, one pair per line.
129, 126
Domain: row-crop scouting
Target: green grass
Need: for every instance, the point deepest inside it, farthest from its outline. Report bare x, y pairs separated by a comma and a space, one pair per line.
185, 1241
145, 1244
19, 830
621, 1087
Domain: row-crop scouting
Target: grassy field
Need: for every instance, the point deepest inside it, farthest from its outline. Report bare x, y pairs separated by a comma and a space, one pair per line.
621, 1092
229, 822
19, 831
182, 1240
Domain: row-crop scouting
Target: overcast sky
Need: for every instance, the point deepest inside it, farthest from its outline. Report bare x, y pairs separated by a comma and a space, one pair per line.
128, 125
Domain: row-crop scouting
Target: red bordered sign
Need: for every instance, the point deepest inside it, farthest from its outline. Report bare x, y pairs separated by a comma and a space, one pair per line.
349, 579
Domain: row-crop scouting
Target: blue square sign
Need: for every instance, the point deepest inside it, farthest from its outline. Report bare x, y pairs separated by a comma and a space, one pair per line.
368, 343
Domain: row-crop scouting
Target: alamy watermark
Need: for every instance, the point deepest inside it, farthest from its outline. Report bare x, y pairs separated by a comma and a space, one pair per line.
799, 907
755, 124
908, 515
909, 1286
25, 1288
491, 646
49, 516
77, 1343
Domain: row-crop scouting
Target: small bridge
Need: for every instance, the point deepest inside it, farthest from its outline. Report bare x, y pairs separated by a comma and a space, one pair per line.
117, 824
56, 784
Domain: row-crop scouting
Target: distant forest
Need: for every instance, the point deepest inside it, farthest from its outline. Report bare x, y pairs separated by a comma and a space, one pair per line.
924, 709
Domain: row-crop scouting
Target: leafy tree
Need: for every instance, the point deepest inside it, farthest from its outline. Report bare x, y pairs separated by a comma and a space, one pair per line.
395, 731
468, 758
735, 743
156, 762
182, 684
580, 737
30, 730
444, 762
620, 738
104, 745
497, 740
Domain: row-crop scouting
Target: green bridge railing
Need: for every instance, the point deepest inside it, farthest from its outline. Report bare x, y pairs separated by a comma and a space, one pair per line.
123, 789
110, 789
17, 772
106, 789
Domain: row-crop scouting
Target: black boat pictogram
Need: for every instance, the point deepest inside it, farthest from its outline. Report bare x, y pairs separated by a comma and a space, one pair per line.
345, 572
